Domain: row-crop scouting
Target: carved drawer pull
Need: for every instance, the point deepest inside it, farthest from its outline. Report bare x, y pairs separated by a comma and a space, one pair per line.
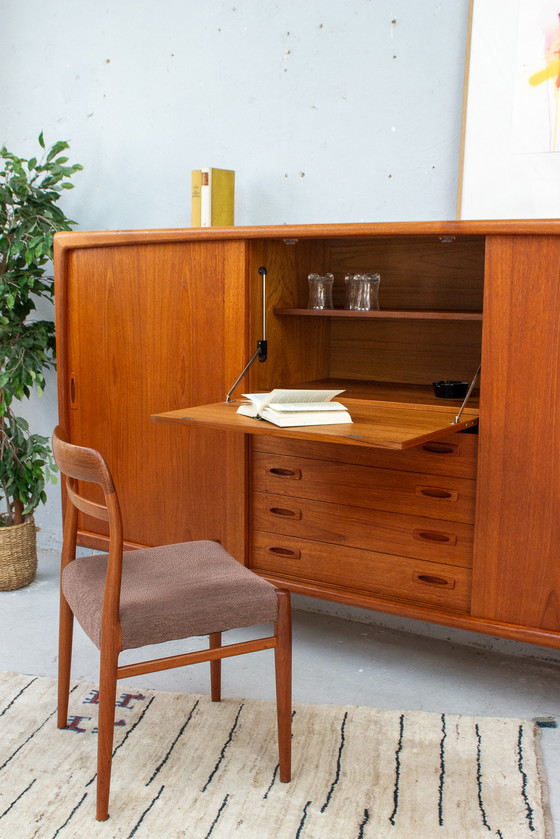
433, 580
285, 512
435, 536
280, 472
438, 492
441, 448
288, 553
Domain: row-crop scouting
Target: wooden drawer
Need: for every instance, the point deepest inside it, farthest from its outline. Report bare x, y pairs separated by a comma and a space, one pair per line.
453, 454
434, 540
351, 569
432, 496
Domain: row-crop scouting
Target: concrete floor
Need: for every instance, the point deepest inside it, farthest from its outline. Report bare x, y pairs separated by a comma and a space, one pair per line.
336, 660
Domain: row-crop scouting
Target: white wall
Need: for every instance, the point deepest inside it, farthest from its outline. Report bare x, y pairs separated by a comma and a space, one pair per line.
329, 111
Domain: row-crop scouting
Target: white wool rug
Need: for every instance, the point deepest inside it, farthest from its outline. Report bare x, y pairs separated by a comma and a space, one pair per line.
187, 768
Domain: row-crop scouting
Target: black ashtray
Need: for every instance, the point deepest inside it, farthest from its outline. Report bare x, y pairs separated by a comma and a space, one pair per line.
450, 389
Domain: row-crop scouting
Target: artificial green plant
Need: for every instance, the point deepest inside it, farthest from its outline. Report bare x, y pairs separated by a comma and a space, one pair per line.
29, 216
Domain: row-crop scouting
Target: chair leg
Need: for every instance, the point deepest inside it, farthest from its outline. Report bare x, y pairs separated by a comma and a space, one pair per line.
105, 726
65, 632
216, 668
283, 665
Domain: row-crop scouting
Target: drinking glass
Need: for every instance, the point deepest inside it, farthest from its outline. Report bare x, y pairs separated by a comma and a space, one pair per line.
362, 291
320, 291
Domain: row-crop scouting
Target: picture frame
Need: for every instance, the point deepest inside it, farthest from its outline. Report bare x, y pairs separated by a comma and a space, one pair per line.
510, 150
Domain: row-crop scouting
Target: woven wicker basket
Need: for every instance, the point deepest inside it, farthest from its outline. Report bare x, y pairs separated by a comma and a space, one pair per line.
18, 555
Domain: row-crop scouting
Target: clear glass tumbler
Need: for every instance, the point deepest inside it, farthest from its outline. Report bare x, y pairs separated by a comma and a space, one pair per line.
320, 291
362, 291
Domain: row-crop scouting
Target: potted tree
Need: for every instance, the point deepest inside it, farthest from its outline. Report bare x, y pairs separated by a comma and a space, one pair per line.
29, 217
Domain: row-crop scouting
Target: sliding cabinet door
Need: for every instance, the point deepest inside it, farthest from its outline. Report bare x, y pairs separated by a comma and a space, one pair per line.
517, 543
150, 327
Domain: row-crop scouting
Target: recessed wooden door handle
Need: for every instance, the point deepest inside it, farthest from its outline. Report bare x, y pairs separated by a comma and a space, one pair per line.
433, 580
288, 553
282, 472
438, 492
440, 448
435, 536
285, 512
73, 392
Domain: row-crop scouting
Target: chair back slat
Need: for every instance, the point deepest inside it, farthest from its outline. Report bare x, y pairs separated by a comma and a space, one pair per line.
90, 508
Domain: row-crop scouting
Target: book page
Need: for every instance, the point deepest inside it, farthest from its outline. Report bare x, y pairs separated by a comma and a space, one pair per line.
297, 407
289, 400
298, 396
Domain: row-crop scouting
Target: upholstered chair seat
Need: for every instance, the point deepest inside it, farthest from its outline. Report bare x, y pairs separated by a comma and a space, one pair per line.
170, 592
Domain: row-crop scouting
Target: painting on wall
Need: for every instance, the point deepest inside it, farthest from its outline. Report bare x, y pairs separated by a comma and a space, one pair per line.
510, 158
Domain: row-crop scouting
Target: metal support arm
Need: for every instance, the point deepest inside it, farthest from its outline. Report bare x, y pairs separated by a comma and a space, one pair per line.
262, 348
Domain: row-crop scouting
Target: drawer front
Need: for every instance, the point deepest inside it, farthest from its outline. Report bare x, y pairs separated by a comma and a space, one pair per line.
453, 454
434, 540
431, 496
370, 572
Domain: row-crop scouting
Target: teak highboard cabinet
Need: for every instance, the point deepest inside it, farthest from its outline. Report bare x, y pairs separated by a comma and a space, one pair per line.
405, 511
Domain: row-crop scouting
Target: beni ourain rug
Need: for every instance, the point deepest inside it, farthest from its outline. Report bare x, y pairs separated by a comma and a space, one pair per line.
187, 768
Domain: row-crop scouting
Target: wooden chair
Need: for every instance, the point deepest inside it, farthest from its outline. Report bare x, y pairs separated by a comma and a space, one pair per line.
146, 596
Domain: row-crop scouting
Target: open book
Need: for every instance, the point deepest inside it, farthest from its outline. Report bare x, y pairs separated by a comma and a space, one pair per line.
296, 407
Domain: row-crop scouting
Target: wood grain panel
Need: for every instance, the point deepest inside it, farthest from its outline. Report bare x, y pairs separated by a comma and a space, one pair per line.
419, 352
434, 273
431, 539
141, 327
365, 571
451, 454
517, 547
432, 496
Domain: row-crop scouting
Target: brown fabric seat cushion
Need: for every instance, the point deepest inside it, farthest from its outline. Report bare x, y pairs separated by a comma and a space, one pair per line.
171, 592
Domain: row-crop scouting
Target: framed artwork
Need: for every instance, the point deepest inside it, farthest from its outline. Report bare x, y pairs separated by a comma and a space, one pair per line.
510, 154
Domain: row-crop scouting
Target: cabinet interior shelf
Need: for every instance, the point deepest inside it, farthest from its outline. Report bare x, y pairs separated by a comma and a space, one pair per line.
382, 314
389, 393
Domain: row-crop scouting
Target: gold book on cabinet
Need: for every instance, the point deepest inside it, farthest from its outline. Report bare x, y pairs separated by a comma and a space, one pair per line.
213, 197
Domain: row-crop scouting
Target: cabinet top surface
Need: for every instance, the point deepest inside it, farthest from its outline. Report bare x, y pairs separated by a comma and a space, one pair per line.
83, 239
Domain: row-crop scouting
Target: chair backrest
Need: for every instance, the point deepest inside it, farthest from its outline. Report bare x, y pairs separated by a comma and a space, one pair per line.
78, 463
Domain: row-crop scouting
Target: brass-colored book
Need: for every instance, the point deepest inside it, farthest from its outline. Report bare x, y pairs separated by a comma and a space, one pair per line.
213, 197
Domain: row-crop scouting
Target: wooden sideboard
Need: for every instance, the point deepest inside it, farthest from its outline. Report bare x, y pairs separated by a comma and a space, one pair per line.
451, 523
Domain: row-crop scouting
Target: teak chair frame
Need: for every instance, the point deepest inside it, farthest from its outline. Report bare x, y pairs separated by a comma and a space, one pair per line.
77, 463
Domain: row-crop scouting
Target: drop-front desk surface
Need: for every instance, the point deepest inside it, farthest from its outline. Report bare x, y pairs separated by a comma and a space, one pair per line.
375, 425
